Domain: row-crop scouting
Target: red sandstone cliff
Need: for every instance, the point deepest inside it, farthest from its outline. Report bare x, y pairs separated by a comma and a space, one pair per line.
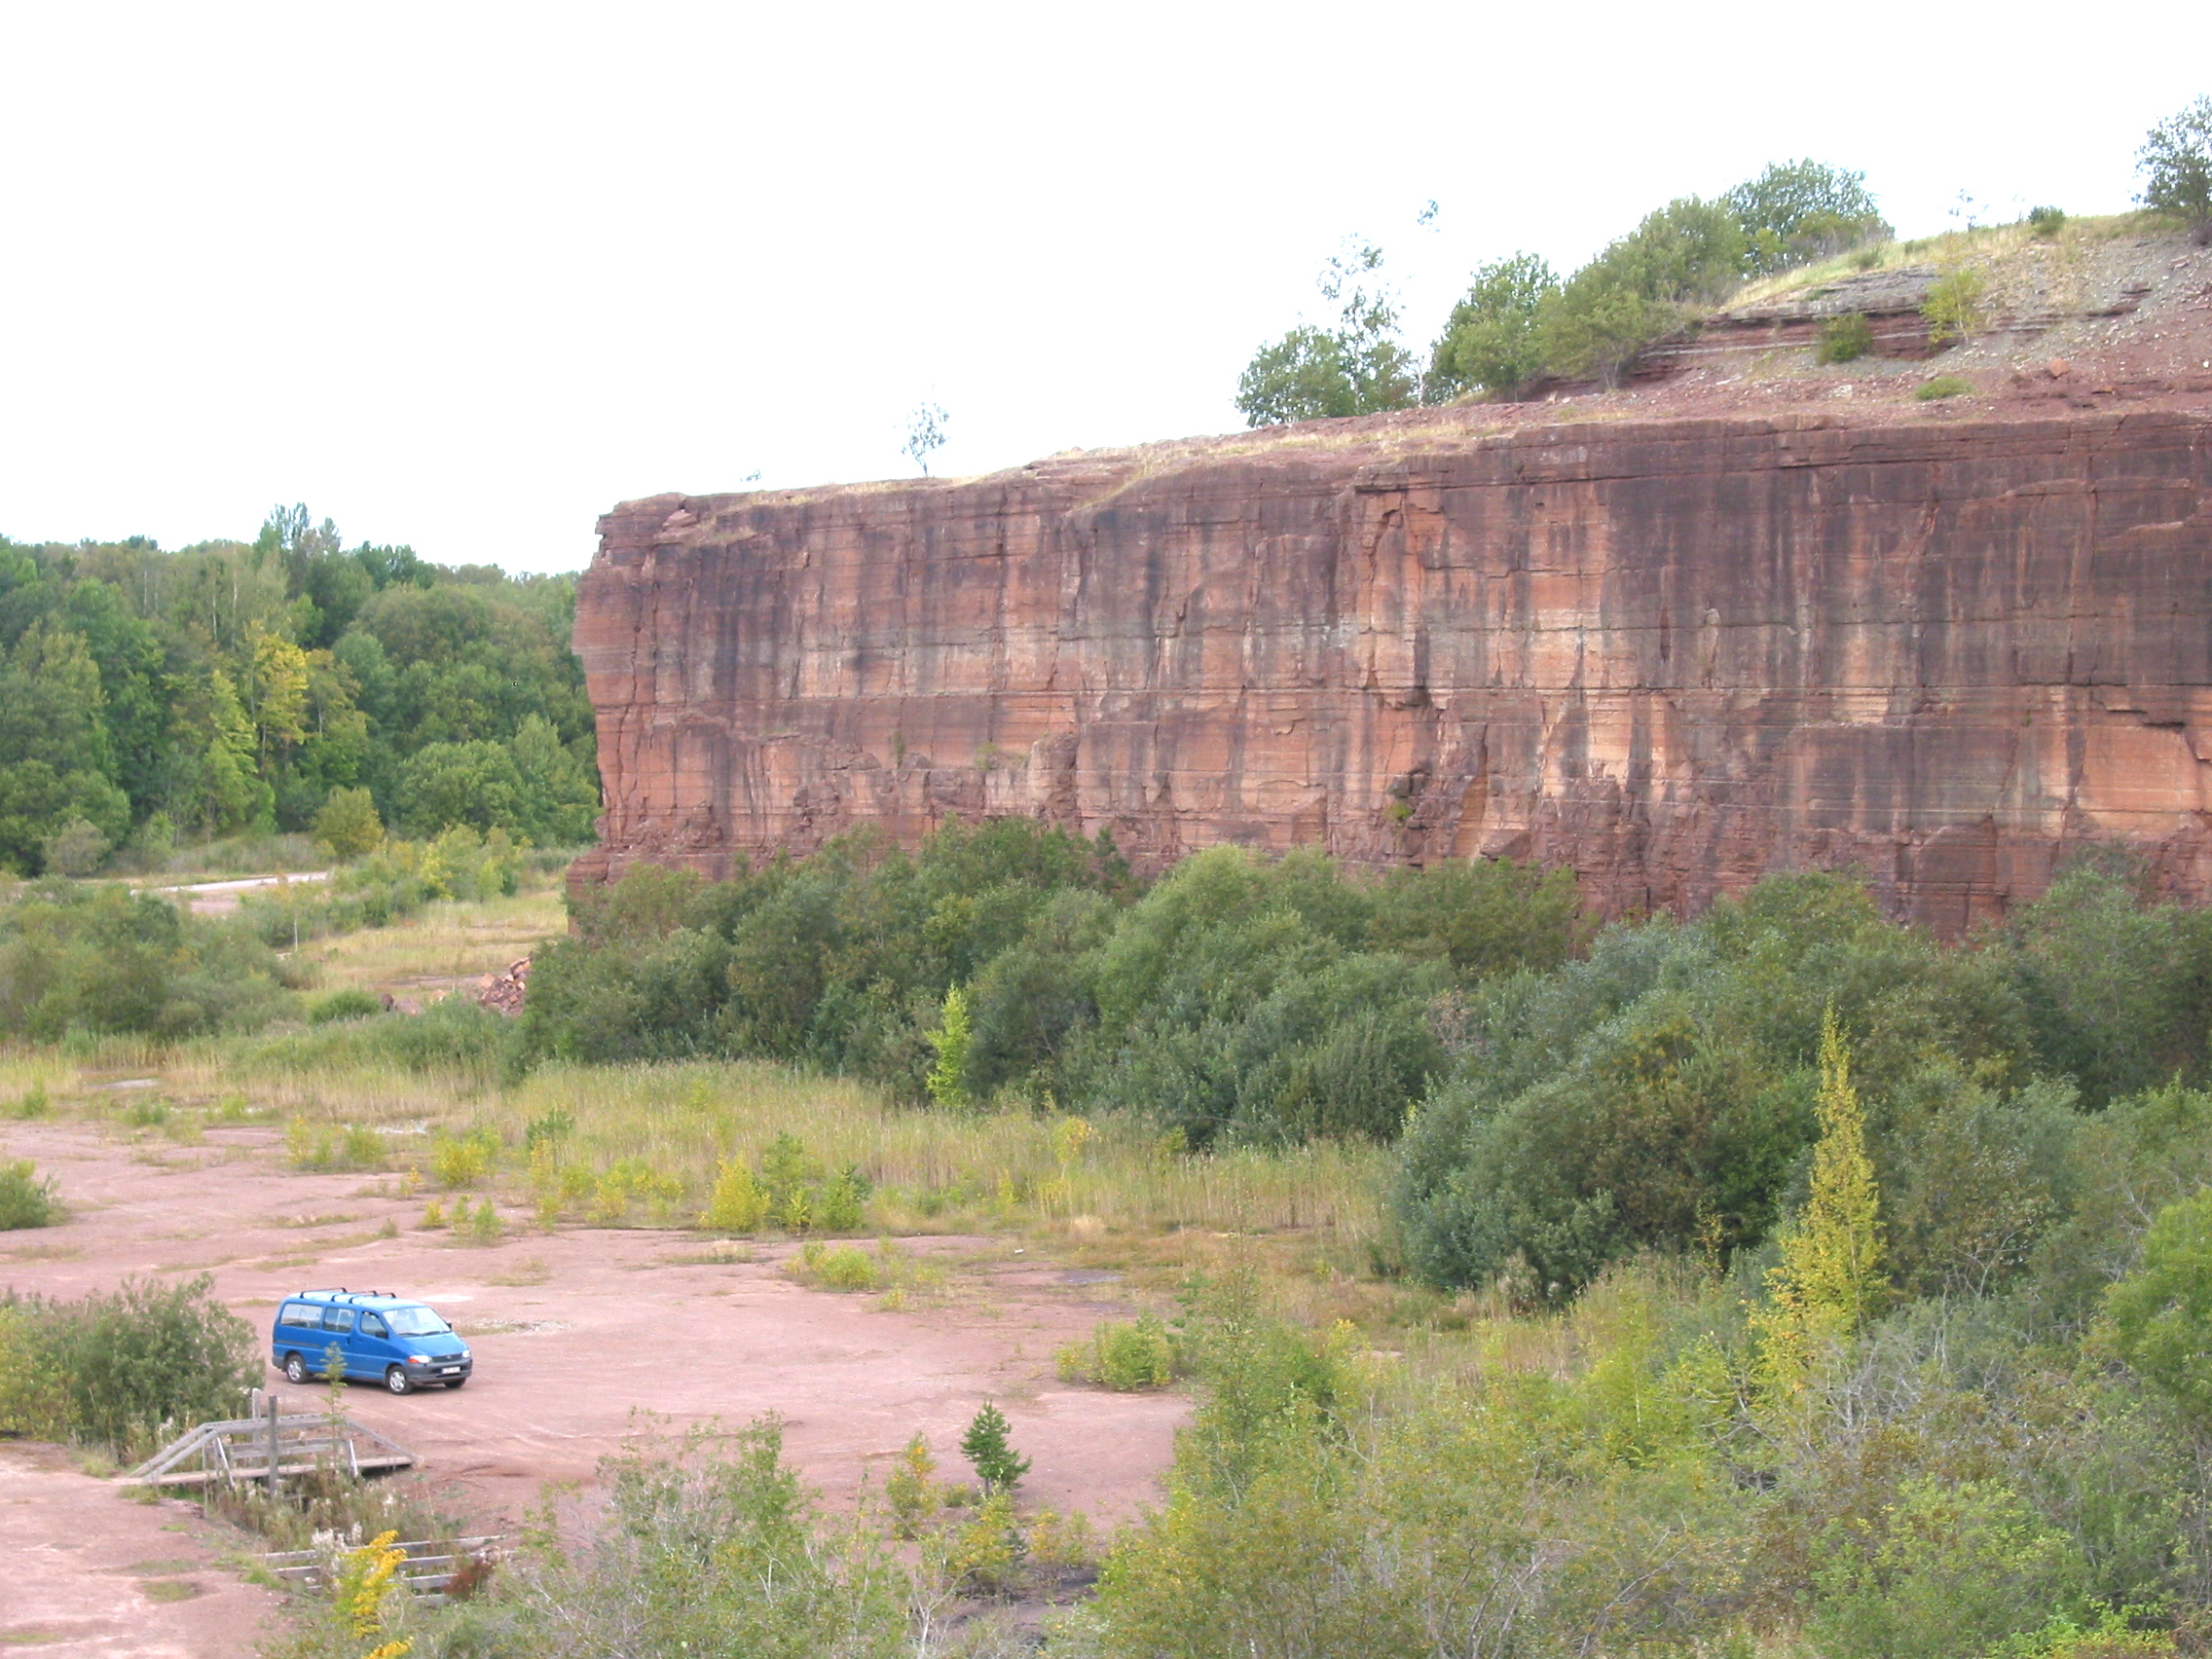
1675, 655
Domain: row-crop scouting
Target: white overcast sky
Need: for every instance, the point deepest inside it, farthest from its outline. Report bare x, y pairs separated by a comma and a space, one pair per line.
464, 275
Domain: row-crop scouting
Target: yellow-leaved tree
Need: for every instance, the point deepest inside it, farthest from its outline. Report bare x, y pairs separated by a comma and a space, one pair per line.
1829, 1281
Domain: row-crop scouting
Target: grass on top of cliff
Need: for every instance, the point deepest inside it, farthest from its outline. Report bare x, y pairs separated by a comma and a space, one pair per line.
1993, 245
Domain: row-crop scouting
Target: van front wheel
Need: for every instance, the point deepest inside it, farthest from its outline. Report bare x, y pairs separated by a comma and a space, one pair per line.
295, 1368
396, 1380
455, 1381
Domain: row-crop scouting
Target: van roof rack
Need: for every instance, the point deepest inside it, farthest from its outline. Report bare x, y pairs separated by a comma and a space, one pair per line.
334, 1292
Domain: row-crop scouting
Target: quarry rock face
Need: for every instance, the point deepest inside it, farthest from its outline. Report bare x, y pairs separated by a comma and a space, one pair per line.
1675, 655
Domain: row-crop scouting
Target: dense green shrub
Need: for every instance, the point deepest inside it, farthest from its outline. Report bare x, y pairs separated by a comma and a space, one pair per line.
1798, 213
1642, 287
126, 1368
1241, 997
103, 958
2046, 222
1121, 1354
1844, 339
26, 1199
1657, 1093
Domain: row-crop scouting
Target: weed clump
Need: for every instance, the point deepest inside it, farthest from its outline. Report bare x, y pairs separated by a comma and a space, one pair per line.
841, 1268
1942, 387
1845, 338
461, 1160
738, 1203
911, 1489
324, 1146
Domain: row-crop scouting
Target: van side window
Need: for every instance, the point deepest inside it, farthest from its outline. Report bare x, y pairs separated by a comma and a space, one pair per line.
338, 1318
302, 1314
372, 1326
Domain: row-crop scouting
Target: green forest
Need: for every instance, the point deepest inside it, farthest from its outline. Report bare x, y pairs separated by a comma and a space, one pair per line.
152, 699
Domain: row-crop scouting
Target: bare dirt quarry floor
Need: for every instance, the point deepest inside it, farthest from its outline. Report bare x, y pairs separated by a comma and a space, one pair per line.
576, 1334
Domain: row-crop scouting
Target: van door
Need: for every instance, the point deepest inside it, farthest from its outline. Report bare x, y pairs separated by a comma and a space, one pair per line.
338, 1331
373, 1344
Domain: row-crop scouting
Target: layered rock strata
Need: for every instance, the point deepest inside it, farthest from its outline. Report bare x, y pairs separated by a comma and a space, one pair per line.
1674, 656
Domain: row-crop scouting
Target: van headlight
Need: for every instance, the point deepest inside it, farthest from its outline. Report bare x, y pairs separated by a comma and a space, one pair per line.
417, 1359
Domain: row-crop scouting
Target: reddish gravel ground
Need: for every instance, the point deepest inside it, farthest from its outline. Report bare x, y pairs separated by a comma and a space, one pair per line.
574, 1333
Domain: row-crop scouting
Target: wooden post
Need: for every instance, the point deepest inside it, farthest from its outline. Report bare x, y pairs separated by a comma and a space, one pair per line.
273, 1408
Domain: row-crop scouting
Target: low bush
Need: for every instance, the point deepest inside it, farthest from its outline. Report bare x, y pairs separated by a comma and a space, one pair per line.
348, 1004
707, 1545
26, 1199
1123, 1355
1941, 387
841, 1267
461, 1160
1845, 338
1953, 306
124, 1369
738, 1203
2046, 222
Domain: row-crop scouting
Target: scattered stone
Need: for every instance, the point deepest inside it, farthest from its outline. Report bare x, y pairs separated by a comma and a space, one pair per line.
503, 993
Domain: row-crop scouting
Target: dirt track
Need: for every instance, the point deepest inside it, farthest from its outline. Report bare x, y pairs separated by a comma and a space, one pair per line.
574, 1333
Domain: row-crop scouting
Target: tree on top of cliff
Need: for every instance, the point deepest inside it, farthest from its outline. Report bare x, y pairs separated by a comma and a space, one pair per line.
925, 434
1356, 368
1798, 213
1643, 287
1489, 341
2177, 154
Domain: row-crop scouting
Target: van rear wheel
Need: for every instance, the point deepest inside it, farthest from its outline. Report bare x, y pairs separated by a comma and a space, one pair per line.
295, 1368
396, 1379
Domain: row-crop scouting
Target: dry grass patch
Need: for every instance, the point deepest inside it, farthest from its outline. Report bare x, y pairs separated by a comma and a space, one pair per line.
442, 943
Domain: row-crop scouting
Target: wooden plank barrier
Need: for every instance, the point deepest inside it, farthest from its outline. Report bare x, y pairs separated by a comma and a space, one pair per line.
279, 1444
430, 1568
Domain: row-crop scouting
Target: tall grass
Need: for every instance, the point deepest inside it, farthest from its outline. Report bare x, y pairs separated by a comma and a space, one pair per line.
931, 1171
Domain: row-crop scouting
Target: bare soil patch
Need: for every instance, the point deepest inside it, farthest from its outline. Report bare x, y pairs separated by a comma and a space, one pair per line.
92, 1571
580, 1336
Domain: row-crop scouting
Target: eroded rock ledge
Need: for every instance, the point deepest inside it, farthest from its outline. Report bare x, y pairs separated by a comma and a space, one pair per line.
1672, 656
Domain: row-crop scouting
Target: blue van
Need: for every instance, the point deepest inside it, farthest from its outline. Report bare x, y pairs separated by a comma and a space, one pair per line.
385, 1339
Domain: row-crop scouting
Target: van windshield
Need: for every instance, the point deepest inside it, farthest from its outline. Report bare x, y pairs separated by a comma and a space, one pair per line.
414, 1322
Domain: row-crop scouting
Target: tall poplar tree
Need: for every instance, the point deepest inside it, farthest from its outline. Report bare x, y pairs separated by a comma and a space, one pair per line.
1829, 1281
